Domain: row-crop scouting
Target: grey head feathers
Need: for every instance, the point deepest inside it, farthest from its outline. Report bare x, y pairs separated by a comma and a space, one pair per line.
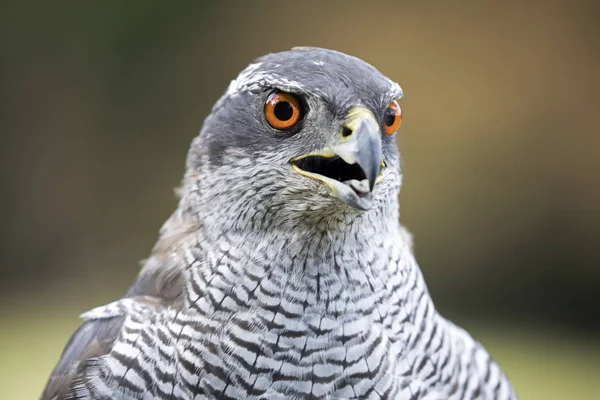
239, 160
328, 81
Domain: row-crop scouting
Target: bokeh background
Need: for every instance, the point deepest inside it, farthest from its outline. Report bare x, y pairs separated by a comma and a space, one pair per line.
99, 102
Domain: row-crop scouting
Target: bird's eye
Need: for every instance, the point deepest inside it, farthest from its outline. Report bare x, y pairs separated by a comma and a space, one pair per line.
282, 110
392, 118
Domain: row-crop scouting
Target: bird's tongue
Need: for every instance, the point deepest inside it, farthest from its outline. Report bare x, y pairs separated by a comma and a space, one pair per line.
361, 188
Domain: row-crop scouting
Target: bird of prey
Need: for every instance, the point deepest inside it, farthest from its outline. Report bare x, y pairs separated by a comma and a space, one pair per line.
284, 273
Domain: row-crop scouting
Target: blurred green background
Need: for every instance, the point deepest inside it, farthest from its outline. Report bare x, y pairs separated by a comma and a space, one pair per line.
500, 140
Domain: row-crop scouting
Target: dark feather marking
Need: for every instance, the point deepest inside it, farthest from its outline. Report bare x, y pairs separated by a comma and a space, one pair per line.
93, 339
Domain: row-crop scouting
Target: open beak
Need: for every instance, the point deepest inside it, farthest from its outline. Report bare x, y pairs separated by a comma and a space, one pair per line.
352, 167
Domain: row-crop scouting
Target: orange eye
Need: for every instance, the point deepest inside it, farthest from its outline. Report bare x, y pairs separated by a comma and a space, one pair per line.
392, 118
282, 110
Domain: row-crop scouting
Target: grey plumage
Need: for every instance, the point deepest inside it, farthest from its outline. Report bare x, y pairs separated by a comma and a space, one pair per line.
265, 284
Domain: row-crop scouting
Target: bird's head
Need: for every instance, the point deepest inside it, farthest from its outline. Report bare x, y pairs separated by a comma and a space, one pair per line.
303, 132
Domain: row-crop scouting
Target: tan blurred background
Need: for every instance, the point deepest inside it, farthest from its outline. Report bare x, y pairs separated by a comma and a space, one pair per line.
500, 140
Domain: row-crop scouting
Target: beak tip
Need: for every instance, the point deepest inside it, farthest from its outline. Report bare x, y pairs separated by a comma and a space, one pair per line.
371, 184
372, 176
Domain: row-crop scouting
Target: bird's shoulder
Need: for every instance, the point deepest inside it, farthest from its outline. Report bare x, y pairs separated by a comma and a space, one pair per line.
159, 285
162, 274
483, 373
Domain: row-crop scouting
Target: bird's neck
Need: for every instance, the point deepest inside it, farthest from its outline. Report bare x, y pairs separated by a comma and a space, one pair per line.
313, 262
318, 236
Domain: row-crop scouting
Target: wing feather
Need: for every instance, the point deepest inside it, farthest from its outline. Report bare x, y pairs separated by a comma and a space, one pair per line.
159, 283
93, 339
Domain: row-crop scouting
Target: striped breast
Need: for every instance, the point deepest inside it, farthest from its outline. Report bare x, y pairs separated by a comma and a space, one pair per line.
277, 328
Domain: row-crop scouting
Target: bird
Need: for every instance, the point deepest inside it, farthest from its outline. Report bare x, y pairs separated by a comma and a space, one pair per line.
284, 272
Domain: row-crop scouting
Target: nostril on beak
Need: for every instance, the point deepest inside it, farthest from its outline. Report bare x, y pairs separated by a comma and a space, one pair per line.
346, 131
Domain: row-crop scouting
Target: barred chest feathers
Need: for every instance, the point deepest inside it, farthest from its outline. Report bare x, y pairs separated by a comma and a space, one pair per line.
267, 320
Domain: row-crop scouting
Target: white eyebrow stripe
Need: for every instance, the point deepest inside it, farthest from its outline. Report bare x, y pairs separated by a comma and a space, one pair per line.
396, 90
237, 85
250, 79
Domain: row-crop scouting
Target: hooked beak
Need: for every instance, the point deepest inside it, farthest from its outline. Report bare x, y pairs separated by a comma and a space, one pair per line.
352, 167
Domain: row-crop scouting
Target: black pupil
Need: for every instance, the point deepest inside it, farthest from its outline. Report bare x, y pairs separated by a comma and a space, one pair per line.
283, 111
389, 117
